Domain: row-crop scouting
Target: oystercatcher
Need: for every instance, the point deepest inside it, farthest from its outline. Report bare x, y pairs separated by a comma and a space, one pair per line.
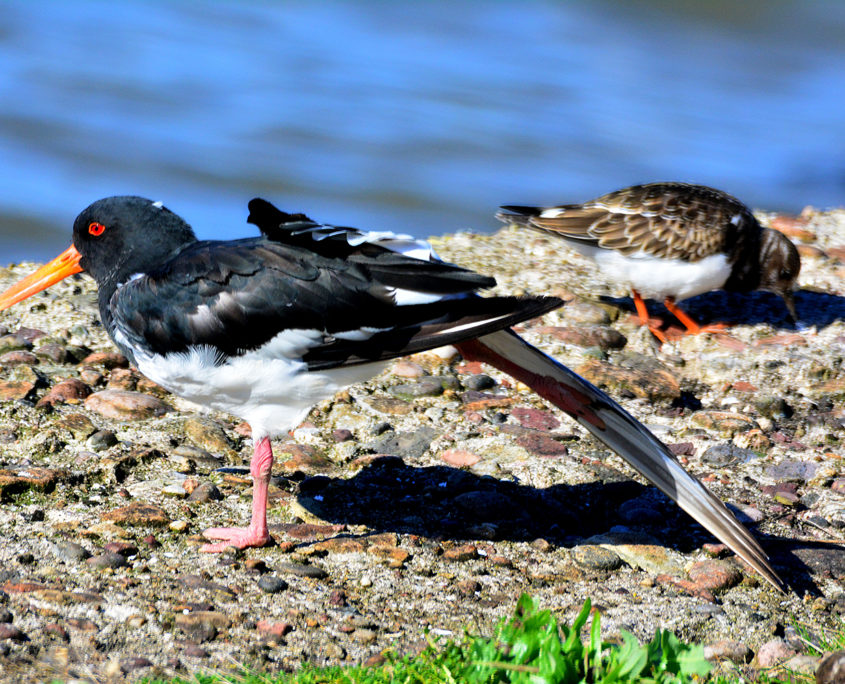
264, 328
672, 241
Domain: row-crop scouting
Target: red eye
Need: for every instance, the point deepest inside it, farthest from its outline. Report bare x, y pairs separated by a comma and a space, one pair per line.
96, 228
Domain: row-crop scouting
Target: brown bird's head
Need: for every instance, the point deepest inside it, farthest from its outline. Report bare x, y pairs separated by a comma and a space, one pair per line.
780, 265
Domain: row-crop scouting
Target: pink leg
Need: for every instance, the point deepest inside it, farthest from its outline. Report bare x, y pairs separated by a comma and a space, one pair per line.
256, 534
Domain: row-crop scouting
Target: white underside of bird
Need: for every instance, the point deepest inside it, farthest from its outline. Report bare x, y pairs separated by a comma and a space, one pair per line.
658, 277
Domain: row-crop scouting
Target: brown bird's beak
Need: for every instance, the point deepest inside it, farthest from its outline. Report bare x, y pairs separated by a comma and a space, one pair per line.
789, 299
67, 263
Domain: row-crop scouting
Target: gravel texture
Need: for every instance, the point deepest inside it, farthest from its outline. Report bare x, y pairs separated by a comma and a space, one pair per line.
432, 496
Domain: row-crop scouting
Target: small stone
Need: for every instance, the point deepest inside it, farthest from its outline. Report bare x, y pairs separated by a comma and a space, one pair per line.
128, 665
11, 633
200, 457
595, 557
408, 369
208, 435
138, 513
122, 379
715, 575
205, 491
468, 587
542, 445
735, 651
584, 312
71, 552
277, 630
15, 358
270, 584
601, 336
464, 552
101, 440
831, 670
179, 526
426, 387
389, 405
479, 382
300, 570
56, 630
651, 381
122, 405
13, 343
303, 458
194, 651
90, 376
724, 422
79, 424
175, 490
6, 615
535, 418
792, 470
202, 625
364, 636
11, 390
639, 551
803, 664
70, 391
52, 352
342, 435
405, 445
460, 458
125, 549
725, 454
82, 624
106, 359
773, 653
107, 560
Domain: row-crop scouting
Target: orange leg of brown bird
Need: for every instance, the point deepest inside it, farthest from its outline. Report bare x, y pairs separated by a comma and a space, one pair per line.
693, 328
642, 312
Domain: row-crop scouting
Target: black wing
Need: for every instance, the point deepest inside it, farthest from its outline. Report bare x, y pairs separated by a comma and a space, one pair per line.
236, 296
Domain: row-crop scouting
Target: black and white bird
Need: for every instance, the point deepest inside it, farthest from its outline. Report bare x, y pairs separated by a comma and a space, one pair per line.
672, 241
266, 327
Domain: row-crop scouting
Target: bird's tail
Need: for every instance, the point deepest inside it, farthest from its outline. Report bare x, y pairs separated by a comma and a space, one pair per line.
614, 426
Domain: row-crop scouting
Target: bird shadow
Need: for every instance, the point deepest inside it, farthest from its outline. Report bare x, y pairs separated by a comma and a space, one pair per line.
444, 503
818, 309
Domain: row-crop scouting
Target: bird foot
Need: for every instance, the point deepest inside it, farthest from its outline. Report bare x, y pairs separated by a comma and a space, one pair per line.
239, 537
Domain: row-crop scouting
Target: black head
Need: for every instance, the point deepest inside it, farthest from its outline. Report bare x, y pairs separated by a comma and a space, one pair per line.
780, 265
119, 236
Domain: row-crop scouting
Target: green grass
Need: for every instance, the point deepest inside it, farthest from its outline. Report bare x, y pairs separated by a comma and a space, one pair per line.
530, 647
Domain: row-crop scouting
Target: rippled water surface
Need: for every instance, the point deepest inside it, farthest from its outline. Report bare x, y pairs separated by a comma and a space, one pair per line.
415, 117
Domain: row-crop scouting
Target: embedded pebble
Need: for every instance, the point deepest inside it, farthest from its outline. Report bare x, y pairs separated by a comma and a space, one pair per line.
311, 571
205, 491
107, 560
122, 405
12, 633
831, 669
101, 440
726, 649
271, 584
71, 552
595, 557
774, 652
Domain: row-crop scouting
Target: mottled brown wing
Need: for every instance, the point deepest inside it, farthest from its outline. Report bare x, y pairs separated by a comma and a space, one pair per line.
672, 220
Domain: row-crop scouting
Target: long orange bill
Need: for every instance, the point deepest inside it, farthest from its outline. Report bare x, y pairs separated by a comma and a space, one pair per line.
67, 263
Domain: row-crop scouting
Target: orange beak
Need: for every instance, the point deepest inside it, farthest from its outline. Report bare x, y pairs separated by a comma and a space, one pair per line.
67, 263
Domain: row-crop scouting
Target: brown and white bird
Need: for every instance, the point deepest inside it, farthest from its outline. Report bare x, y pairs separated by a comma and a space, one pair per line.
672, 241
266, 327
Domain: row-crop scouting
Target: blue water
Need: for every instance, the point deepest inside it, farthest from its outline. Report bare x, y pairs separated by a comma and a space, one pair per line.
414, 117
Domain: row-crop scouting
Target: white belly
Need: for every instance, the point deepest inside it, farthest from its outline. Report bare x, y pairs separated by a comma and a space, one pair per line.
657, 278
270, 390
